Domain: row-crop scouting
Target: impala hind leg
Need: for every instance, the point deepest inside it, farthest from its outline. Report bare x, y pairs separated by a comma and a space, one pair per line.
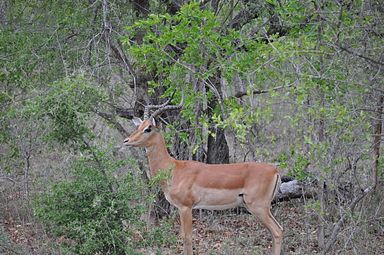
266, 217
186, 229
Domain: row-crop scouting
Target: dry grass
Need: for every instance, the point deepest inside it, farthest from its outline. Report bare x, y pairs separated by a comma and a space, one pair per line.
214, 233
228, 233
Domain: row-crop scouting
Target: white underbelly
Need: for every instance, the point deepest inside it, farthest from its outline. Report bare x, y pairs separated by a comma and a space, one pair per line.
217, 199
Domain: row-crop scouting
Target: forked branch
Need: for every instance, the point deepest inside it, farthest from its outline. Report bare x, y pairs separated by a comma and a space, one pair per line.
162, 107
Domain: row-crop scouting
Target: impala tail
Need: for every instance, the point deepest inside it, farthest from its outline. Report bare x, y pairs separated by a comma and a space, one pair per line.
277, 186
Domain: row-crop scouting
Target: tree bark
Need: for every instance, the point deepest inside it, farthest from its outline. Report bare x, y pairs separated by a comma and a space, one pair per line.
218, 151
292, 189
377, 134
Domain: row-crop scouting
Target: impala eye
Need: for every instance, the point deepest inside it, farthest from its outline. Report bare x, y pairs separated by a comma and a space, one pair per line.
148, 129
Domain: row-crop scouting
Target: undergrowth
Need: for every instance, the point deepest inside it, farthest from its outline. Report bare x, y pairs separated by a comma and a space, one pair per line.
96, 213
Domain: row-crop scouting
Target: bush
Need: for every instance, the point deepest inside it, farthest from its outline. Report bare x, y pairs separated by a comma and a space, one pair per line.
96, 213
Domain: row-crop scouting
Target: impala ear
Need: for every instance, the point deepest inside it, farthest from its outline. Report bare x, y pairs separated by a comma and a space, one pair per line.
153, 121
137, 121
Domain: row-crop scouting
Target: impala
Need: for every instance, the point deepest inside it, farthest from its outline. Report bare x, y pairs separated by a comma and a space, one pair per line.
195, 185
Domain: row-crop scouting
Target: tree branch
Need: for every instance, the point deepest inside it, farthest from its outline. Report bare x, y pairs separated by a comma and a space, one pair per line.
111, 119
371, 60
337, 227
240, 94
244, 16
8, 179
377, 132
119, 54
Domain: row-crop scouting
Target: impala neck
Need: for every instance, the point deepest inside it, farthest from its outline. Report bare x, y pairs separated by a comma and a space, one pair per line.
158, 156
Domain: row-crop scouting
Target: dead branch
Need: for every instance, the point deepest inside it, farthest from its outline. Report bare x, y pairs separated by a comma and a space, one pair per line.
240, 94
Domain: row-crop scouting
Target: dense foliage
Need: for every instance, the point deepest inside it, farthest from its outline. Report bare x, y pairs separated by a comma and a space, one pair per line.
92, 213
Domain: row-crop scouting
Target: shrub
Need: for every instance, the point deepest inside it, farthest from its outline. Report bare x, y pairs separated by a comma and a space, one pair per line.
96, 213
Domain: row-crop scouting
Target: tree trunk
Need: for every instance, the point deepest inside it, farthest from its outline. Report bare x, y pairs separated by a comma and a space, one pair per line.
377, 134
218, 151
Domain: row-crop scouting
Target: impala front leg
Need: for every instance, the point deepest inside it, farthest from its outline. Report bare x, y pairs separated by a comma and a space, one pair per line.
186, 228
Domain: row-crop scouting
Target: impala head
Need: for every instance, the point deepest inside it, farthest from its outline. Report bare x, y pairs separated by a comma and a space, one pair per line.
145, 132
148, 128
